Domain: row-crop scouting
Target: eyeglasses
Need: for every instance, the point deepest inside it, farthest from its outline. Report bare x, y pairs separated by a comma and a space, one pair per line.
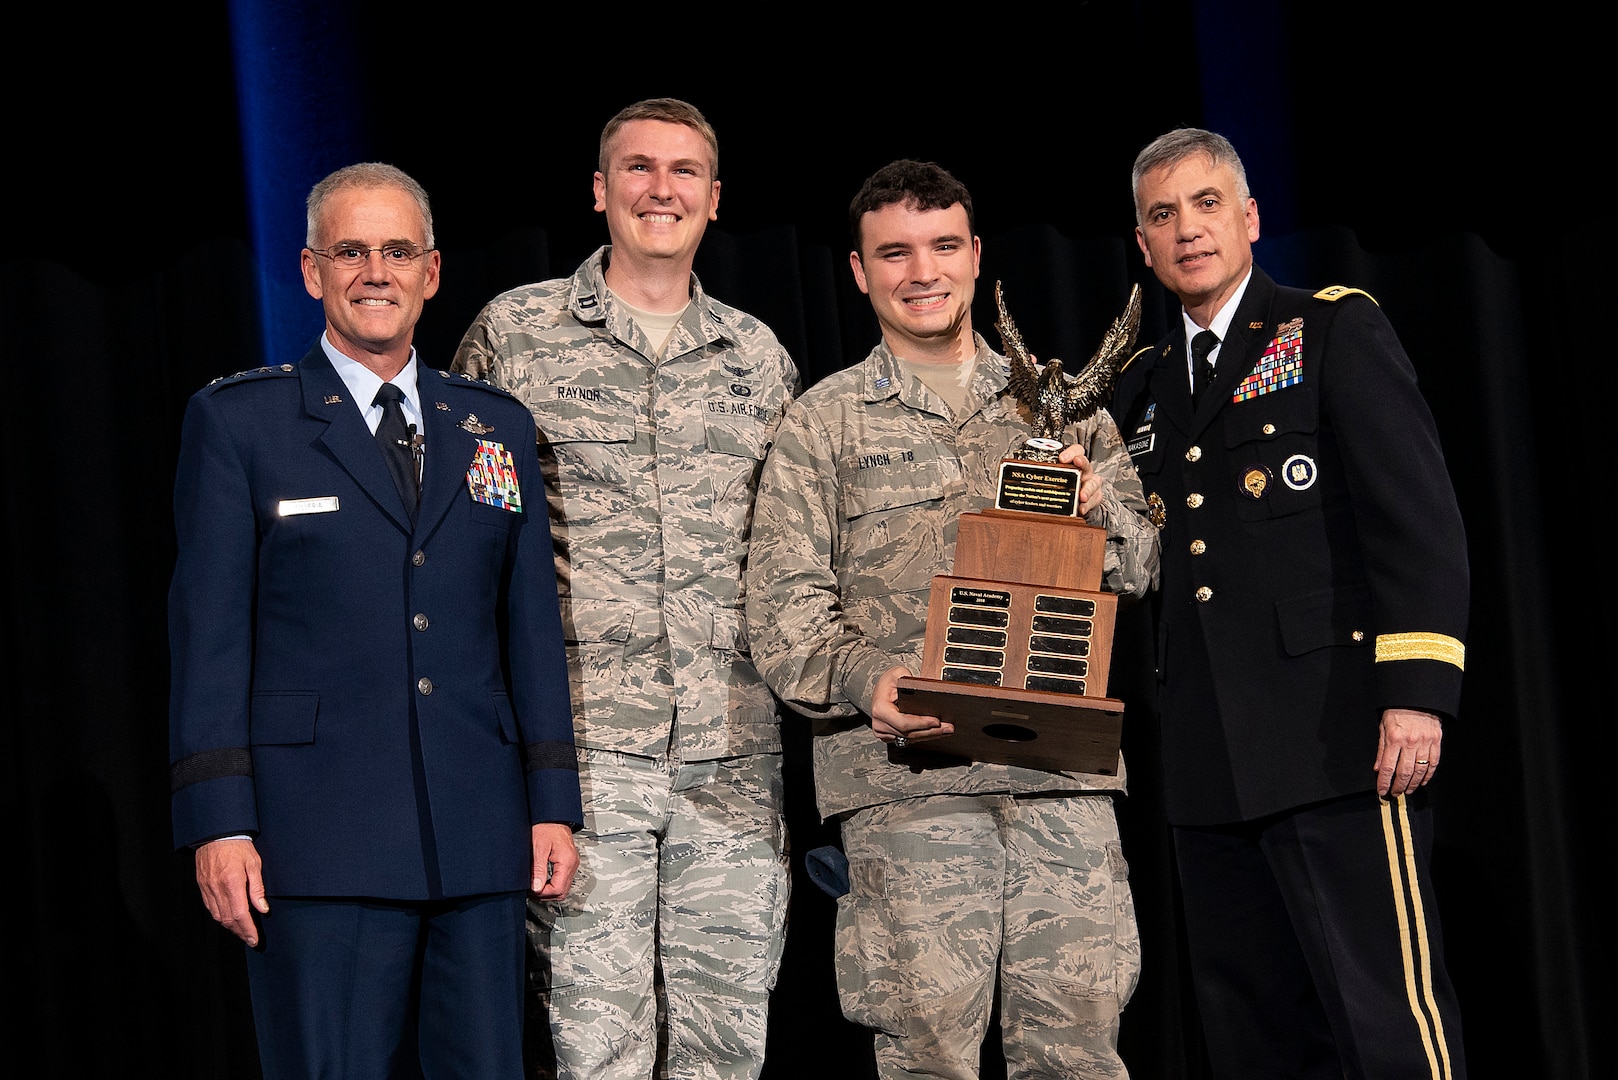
354, 256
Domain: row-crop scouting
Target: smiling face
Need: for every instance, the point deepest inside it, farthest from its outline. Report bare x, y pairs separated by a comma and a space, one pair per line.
371, 310
920, 269
1197, 232
658, 192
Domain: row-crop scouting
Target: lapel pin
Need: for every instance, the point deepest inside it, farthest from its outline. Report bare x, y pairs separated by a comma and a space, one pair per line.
474, 425
334, 399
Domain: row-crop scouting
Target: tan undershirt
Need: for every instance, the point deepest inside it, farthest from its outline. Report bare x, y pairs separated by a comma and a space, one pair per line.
948, 381
657, 327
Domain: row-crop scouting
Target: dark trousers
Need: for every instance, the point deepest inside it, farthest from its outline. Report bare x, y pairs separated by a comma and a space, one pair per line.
361, 989
1315, 945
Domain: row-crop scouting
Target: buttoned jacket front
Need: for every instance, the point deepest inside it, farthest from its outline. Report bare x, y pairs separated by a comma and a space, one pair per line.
1314, 559
381, 704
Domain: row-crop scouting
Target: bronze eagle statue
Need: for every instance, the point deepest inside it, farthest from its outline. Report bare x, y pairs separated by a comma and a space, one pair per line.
1055, 400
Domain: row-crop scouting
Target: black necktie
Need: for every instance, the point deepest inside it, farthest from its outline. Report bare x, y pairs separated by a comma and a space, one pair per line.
393, 437
1201, 369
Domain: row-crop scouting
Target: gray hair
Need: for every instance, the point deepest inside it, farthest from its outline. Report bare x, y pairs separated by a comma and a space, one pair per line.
367, 174
1179, 144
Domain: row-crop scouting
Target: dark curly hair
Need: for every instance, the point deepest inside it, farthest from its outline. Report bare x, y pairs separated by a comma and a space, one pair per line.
921, 185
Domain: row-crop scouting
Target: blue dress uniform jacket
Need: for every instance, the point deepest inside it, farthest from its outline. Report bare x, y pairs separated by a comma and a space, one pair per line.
382, 705
1314, 559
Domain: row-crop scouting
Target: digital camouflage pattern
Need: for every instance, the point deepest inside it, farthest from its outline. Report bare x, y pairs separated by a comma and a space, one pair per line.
952, 870
650, 467
918, 949
856, 512
720, 905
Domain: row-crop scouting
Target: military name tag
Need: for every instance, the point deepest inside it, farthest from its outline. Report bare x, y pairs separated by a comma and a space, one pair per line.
293, 507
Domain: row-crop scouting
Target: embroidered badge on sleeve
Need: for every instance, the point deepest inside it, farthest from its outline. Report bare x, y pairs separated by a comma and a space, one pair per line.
492, 478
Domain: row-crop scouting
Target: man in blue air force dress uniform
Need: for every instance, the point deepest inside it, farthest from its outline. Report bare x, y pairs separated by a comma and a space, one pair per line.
1312, 614
370, 736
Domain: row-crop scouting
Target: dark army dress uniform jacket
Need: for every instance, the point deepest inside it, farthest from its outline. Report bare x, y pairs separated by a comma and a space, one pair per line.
1314, 560
382, 704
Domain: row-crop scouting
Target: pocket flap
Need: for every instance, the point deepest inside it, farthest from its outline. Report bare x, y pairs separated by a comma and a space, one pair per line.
586, 620
1326, 617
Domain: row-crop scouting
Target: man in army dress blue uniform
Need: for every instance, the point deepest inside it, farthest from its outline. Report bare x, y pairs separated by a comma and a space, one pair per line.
1312, 614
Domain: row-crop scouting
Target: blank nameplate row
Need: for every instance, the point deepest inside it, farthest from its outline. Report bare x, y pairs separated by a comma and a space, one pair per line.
1029, 637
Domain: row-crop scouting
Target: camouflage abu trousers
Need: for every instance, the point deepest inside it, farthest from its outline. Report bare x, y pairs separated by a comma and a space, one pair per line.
948, 889
683, 873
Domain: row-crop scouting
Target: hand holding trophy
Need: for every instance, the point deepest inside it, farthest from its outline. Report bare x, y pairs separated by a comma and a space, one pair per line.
1019, 635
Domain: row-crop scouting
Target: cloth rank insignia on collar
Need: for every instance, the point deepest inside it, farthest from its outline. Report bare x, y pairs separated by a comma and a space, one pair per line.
492, 477
1281, 365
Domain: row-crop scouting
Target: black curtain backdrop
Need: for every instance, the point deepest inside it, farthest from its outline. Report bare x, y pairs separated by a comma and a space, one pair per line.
1427, 159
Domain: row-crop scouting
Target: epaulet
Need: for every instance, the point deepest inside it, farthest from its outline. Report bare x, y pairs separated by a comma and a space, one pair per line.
463, 377
252, 373
1138, 354
1333, 293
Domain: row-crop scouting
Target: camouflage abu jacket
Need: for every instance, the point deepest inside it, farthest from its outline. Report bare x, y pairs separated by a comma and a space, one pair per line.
650, 469
856, 512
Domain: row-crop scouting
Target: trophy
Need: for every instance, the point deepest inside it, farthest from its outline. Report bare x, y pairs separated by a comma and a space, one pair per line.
1019, 634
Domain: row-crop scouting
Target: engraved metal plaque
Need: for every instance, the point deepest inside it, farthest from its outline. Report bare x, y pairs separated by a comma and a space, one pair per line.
1036, 488
1065, 605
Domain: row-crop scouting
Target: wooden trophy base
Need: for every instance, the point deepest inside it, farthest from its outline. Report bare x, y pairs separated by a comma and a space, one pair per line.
1031, 728
1019, 642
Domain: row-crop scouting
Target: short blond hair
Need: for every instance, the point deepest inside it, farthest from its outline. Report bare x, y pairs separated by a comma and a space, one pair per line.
670, 111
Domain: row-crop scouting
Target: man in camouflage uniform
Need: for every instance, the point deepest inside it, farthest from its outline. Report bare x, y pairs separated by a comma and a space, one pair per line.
957, 873
655, 404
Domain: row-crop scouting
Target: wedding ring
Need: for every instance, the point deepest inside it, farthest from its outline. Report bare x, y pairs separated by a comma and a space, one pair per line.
1421, 761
